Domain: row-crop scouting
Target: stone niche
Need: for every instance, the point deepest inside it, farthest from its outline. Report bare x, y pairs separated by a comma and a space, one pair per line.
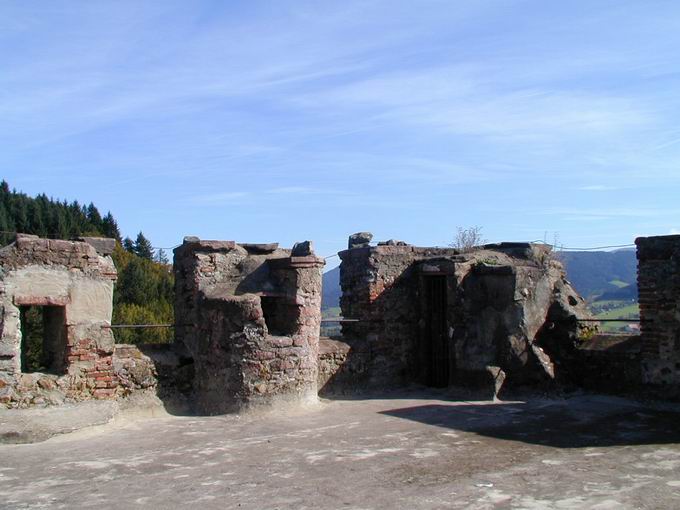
249, 316
659, 296
439, 316
56, 302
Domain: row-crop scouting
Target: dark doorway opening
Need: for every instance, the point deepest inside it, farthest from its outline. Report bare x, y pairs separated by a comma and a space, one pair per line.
436, 342
280, 315
43, 339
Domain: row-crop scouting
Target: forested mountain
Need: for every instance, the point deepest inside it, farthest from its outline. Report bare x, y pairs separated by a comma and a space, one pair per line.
47, 217
331, 291
596, 274
144, 291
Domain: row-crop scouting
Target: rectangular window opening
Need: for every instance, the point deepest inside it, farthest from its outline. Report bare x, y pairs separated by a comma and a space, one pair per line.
43, 339
280, 315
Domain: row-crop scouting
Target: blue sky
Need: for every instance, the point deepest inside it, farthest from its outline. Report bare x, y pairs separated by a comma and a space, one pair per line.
284, 121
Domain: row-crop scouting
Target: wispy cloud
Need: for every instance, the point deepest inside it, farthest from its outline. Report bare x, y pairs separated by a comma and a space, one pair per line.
409, 110
597, 187
293, 190
242, 197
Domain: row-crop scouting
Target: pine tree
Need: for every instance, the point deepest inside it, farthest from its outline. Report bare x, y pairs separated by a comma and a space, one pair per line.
110, 227
129, 245
5, 236
161, 257
94, 218
57, 222
20, 215
143, 247
35, 219
137, 284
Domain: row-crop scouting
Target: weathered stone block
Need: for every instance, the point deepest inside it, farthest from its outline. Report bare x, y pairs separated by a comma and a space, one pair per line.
103, 245
302, 249
359, 240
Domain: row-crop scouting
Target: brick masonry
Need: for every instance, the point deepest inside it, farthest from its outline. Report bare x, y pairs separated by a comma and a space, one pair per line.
75, 277
659, 288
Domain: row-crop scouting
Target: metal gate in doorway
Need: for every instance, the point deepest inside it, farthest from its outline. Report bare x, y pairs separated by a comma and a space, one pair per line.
435, 341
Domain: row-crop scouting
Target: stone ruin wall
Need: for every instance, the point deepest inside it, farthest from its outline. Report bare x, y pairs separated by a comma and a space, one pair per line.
502, 305
74, 281
250, 319
659, 288
249, 316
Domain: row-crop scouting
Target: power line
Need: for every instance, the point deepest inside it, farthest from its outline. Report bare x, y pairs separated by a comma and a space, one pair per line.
561, 247
163, 248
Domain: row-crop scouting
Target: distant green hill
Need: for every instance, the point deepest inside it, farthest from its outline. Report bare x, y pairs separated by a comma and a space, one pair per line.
602, 274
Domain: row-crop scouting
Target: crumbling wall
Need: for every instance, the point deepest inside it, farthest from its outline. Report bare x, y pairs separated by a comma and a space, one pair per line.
496, 300
342, 368
609, 363
76, 280
250, 318
659, 297
514, 309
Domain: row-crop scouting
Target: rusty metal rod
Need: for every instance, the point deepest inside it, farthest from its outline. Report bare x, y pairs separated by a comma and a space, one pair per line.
121, 326
612, 320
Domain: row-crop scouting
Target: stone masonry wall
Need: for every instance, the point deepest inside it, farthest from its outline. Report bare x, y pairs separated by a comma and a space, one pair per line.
506, 305
250, 318
71, 276
380, 289
659, 288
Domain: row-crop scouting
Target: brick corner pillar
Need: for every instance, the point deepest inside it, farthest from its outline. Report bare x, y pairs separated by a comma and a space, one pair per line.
659, 298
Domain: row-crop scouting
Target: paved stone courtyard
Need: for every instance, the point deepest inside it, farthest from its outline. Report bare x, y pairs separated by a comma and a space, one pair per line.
407, 451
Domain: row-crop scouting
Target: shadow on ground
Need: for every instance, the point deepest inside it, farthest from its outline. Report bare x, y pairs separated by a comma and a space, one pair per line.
572, 423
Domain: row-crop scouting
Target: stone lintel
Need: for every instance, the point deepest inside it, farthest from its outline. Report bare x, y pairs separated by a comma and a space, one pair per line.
41, 300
